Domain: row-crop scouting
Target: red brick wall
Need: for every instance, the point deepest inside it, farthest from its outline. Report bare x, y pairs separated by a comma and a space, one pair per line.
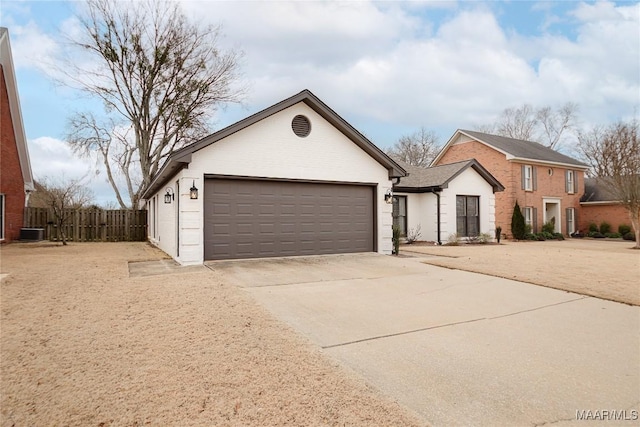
11, 181
510, 175
614, 214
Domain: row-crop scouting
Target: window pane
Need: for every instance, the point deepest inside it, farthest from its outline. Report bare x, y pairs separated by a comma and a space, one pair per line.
472, 206
460, 206
472, 226
460, 226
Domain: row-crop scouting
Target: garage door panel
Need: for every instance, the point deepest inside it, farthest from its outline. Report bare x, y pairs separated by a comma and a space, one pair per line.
248, 219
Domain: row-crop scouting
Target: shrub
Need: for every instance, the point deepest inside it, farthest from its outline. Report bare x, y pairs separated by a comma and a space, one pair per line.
593, 227
530, 236
558, 236
613, 235
484, 238
596, 235
548, 227
624, 229
414, 234
517, 223
630, 236
605, 227
396, 240
453, 240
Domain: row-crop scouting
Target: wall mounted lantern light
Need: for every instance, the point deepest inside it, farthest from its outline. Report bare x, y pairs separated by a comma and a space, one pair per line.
193, 191
388, 197
168, 196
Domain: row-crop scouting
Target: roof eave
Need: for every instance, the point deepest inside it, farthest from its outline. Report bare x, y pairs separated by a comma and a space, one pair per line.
581, 167
6, 59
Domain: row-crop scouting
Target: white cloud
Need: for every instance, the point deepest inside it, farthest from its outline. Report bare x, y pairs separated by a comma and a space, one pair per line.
393, 65
32, 48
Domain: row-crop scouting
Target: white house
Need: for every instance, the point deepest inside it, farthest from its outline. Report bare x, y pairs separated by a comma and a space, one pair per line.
293, 179
457, 198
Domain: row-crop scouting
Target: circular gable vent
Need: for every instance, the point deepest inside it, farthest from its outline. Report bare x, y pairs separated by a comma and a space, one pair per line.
301, 126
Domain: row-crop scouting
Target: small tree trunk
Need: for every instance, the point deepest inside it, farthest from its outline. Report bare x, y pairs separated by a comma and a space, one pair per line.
635, 222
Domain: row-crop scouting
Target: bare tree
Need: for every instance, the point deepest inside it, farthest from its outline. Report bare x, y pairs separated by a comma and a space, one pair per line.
160, 79
417, 149
613, 153
555, 123
544, 125
518, 123
63, 197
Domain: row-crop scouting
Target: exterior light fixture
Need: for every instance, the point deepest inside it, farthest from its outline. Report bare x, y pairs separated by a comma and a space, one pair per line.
388, 197
193, 191
168, 196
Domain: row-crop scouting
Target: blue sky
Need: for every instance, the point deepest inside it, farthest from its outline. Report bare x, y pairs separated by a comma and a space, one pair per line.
387, 67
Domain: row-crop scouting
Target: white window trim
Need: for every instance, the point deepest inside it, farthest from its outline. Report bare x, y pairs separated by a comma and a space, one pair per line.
528, 216
571, 179
528, 178
571, 220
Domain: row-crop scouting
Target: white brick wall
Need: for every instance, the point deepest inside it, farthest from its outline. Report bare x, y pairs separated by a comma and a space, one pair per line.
422, 208
270, 149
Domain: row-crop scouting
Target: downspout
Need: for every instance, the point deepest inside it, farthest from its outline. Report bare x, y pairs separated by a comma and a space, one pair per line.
437, 193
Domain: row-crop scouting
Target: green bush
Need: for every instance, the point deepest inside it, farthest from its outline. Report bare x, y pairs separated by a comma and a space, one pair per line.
593, 227
596, 235
613, 235
558, 236
548, 227
630, 236
517, 223
605, 227
624, 229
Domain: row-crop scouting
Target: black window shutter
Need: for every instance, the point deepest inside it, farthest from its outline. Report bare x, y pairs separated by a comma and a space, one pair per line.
523, 178
534, 177
567, 212
566, 181
534, 220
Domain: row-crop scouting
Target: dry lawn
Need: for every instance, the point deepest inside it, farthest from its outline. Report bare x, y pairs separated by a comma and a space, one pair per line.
84, 344
607, 269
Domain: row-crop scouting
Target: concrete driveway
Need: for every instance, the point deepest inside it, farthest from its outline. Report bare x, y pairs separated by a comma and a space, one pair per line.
458, 348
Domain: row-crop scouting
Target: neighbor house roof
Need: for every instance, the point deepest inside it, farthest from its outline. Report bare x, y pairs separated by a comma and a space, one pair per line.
595, 191
6, 60
182, 157
516, 149
436, 178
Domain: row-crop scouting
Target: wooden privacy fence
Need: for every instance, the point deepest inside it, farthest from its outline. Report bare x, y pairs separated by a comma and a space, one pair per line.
90, 225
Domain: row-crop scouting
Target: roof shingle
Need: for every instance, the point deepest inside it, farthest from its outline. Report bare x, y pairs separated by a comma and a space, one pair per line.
523, 149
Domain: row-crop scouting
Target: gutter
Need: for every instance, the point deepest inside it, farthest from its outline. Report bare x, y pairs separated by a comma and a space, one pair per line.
437, 193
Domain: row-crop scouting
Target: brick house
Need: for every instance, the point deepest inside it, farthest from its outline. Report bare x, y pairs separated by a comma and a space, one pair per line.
16, 181
546, 184
598, 205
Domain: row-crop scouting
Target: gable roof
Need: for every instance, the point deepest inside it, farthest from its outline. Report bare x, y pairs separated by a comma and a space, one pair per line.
436, 178
182, 157
6, 60
596, 191
516, 149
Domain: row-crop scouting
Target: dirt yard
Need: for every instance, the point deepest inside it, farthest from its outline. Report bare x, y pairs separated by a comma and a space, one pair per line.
606, 269
84, 344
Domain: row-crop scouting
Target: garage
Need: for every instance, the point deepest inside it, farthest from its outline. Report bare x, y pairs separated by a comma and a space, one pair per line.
248, 218
292, 179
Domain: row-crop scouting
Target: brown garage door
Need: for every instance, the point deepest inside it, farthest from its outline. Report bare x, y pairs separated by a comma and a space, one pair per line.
253, 218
